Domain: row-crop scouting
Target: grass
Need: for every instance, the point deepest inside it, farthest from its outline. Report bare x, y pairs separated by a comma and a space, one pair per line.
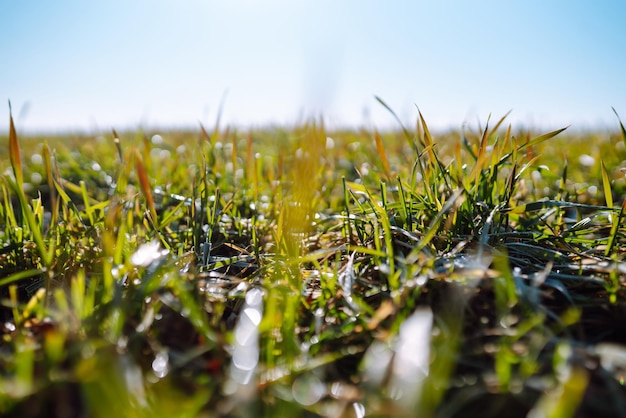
300, 272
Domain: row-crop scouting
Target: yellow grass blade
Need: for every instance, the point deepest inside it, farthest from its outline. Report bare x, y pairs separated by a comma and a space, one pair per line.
541, 138
14, 152
234, 156
500, 122
608, 194
481, 156
382, 154
144, 184
9, 213
428, 140
47, 159
507, 137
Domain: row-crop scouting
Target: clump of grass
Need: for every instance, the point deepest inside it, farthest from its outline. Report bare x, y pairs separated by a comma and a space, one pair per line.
306, 272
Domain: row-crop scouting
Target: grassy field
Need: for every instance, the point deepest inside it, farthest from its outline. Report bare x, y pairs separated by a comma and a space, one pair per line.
301, 273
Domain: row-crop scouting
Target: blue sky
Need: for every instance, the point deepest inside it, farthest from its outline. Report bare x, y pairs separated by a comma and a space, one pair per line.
93, 66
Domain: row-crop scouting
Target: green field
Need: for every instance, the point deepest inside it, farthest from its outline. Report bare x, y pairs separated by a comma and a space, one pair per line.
299, 272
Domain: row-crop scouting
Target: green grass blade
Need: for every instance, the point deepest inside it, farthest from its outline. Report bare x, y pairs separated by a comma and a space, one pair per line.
407, 135
20, 275
614, 231
34, 226
54, 207
621, 125
541, 138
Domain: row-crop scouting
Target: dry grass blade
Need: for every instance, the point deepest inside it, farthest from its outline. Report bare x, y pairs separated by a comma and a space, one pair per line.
541, 138
407, 135
32, 221
204, 132
14, 152
537, 140
118, 146
428, 140
500, 122
481, 156
144, 184
380, 148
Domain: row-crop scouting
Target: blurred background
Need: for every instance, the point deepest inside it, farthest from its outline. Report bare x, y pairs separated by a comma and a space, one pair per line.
92, 66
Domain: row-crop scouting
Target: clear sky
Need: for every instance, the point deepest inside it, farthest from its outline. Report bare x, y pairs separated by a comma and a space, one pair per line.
97, 65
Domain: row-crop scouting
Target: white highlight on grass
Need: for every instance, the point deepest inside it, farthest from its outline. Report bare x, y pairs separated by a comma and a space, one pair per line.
346, 279
411, 363
308, 389
612, 356
165, 154
586, 160
248, 324
160, 364
245, 357
359, 409
158, 153
36, 178
404, 360
36, 159
376, 363
134, 380
148, 253
254, 298
536, 175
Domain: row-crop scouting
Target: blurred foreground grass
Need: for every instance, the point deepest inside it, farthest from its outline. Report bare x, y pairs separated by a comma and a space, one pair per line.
299, 272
